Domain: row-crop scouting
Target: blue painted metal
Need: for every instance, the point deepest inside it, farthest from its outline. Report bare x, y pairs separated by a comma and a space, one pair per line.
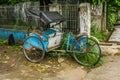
35, 40
68, 41
71, 41
18, 35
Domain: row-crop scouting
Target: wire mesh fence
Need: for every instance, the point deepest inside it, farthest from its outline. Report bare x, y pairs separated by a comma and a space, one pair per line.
13, 17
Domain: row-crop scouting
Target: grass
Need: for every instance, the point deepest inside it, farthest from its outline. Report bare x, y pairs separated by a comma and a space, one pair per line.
53, 55
4, 43
101, 36
89, 57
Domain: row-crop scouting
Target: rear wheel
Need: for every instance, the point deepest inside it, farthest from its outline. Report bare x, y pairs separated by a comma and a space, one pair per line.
33, 49
88, 53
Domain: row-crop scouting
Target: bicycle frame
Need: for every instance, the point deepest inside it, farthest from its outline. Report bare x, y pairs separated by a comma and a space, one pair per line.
73, 42
68, 42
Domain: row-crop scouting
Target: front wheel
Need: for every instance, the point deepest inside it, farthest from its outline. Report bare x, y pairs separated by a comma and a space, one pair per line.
33, 49
86, 51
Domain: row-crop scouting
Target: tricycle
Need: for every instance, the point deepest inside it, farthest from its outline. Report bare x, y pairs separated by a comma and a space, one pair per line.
85, 50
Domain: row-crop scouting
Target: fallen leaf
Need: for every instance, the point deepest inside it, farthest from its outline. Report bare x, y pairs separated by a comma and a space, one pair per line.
31, 64
23, 71
82, 67
71, 65
7, 57
5, 61
82, 77
50, 62
43, 69
60, 60
47, 66
9, 47
12, 65
38, 65
39, 70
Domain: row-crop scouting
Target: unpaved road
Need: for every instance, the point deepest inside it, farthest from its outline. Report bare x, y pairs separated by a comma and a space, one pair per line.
13, 66
110, 70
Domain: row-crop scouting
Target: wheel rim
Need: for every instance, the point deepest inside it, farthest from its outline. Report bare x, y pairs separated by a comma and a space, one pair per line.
91, 53
33, 54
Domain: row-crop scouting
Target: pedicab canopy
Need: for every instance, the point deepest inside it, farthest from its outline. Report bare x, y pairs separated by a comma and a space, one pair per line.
45, 16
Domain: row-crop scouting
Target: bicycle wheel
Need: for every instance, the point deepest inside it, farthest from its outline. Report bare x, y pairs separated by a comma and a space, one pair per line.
87, 51
33, 49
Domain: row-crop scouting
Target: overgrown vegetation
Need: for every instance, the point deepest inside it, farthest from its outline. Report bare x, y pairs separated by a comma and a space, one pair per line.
3, 42
8, 2
89, 56
112, 7
101, 36
112, 16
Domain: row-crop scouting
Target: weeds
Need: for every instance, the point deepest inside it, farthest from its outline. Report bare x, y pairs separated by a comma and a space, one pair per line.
101, 36
3, 42
84, 59
53, 55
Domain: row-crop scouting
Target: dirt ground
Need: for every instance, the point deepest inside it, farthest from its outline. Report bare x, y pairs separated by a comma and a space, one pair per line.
14, 66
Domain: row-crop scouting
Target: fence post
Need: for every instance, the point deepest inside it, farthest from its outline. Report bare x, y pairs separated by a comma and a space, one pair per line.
84, 18
97, 18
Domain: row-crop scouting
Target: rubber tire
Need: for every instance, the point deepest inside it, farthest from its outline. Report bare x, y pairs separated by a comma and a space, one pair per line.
41, 56
83, 54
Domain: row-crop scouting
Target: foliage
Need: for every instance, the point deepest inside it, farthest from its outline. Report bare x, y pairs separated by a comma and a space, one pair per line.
101, 36
3, 42
64, 41
112, 19
55, 55
89, 57
98, 1
94, 26
112, 16
115, 2
101, 61
13, 1
112, 7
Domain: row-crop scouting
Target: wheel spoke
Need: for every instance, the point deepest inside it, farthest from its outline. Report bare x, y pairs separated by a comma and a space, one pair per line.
91, 52
32, 52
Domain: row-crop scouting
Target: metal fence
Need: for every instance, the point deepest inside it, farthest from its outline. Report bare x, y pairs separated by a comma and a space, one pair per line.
70, 12
13, 17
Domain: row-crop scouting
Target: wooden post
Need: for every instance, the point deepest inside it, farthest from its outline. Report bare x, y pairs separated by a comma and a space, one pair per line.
118, 14
103, 21
84, 18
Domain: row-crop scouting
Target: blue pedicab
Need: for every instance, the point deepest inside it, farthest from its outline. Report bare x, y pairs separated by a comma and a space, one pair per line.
85, 50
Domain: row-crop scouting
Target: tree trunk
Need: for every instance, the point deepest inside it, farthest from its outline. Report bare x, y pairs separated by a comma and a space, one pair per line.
103, 21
